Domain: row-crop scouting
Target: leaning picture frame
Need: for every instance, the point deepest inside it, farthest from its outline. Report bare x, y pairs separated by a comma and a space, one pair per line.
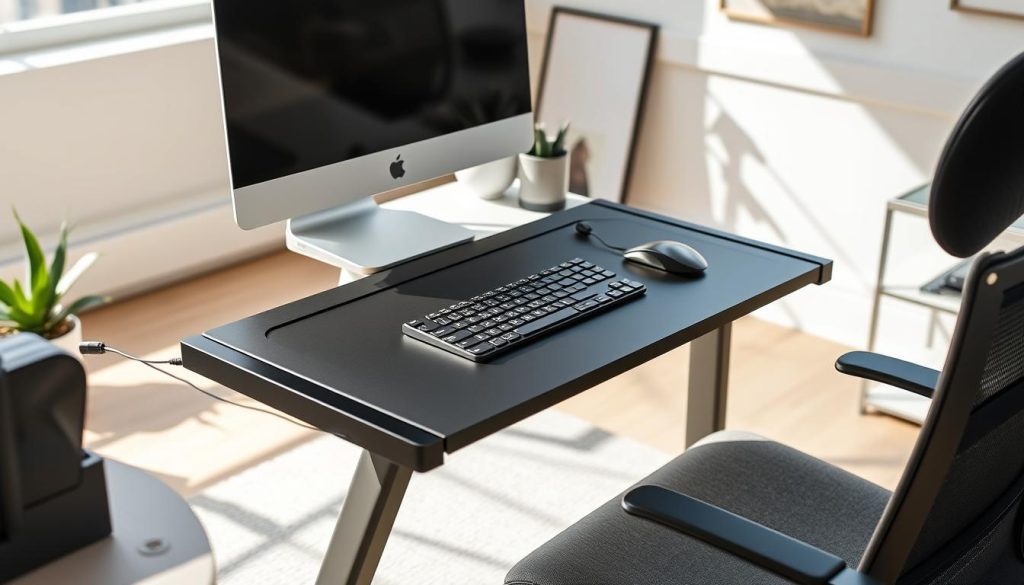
853, 17
595, 76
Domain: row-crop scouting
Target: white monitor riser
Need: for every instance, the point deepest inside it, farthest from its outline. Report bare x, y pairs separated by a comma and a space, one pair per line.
451, 204
365, 238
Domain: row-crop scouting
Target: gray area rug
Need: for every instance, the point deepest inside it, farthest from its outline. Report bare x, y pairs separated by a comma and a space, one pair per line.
465, 523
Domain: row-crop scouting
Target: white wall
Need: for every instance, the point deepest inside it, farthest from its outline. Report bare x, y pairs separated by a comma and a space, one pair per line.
126, 142
799, 137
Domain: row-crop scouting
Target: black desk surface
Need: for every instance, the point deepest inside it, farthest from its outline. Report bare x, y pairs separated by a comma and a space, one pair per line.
339, 360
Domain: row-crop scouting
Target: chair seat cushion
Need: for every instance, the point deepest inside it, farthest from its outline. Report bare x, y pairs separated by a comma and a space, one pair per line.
764, 481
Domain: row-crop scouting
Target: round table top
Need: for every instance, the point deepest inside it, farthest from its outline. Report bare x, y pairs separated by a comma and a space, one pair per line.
156, 539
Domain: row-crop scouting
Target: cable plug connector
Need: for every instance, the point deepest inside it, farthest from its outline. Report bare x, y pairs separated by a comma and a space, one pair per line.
92, 348
100, 348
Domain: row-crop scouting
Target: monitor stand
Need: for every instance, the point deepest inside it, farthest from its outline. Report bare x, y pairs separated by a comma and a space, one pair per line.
364, 238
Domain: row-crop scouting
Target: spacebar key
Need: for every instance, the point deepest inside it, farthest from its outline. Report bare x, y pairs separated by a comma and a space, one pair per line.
546, 322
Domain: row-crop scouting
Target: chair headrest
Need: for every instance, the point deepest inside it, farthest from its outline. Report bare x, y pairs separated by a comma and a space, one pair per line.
978, 190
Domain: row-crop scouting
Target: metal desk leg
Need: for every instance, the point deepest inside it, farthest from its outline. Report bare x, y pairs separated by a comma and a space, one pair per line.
709, 384
364, 525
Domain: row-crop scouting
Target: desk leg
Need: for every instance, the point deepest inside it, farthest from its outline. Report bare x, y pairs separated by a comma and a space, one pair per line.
365, 523
709, 384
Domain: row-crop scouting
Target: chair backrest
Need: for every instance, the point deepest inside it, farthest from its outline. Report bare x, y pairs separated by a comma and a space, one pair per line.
956, 515
956, 511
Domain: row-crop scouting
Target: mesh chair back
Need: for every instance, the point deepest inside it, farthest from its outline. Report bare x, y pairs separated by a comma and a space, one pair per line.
955, 516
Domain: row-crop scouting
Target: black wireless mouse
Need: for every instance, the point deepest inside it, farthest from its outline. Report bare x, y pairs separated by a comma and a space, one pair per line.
668, 256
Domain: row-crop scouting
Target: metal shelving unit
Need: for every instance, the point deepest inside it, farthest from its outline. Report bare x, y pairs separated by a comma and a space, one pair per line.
894, 401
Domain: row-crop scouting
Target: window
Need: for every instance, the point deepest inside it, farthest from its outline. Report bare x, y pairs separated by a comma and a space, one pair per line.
30, 24
13, 10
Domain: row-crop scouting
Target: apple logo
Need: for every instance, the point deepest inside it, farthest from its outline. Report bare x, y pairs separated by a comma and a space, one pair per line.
398, 168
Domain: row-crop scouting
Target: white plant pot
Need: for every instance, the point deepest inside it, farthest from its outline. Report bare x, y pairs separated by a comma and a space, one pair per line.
491, 180
70, 341
543, 182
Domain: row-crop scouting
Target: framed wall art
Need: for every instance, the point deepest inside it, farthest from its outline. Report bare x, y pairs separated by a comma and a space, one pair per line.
844, 16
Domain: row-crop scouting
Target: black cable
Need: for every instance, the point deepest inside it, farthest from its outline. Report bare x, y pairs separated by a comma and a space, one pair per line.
98, 348
585, 229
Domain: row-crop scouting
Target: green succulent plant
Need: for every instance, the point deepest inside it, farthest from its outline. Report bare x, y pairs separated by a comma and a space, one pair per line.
36, 306
544, 146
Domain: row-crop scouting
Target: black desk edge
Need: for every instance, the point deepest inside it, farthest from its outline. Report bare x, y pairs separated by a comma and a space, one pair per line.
383, 434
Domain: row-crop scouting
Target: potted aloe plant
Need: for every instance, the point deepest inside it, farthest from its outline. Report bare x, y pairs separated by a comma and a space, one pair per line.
38, 306
544, 172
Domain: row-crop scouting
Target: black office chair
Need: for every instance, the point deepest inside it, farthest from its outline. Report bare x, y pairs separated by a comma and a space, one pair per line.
740, 509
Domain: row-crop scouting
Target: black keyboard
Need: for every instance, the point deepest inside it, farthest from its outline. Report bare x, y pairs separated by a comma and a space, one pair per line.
510, 316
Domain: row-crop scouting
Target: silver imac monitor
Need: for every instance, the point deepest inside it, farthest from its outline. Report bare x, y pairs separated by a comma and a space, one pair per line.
329, 102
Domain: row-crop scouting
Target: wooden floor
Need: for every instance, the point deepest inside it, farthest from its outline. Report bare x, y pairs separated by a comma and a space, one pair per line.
783, 385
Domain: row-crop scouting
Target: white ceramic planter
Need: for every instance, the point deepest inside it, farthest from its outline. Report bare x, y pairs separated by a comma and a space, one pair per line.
543, 182
70, 341
491, 180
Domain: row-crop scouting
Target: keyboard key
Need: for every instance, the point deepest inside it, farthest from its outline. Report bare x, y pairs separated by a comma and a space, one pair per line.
546, 322
585, 306
616, 294
415, 324
443, 332
513, 336
604, 300
584, 295
429, 326
457, 336
498, 342
481, 349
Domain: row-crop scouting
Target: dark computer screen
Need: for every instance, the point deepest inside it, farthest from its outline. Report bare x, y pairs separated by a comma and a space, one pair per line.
309, 83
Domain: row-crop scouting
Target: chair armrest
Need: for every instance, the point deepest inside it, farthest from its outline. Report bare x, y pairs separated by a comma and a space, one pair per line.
891, 371
769, 549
